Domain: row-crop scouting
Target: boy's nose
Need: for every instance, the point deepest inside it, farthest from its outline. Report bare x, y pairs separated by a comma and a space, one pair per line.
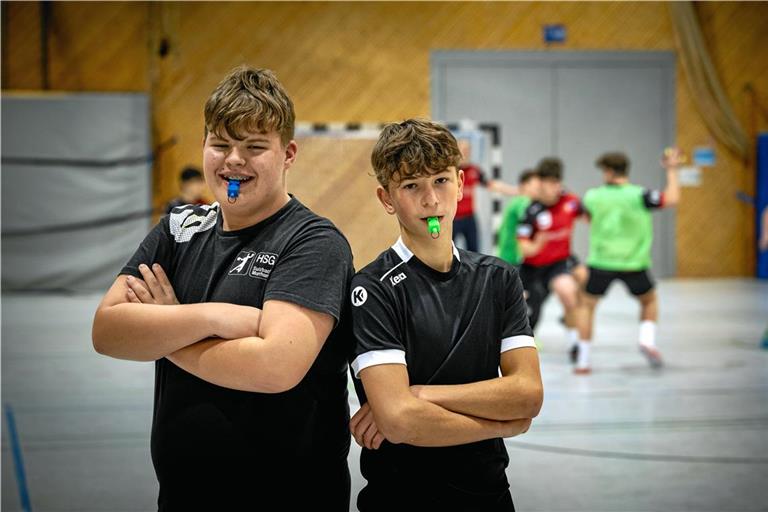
429, 198
234, 158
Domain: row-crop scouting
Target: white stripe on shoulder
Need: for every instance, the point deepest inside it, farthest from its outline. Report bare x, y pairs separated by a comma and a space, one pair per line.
377, 357
401, 250
514, 342
390, 271
405, 254
185, 223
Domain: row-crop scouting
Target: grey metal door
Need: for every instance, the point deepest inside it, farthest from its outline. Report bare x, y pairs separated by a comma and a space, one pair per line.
574, 105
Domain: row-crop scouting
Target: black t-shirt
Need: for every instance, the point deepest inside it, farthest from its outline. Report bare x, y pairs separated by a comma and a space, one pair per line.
448, 328
210, 442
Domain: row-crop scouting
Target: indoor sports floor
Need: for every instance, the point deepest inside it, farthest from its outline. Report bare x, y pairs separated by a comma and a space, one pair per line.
693, 436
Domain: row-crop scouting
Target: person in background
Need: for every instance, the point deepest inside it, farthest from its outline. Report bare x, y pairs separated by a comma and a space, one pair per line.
191, 189
620, 240
544, 234
763, 246
465, 224
528, 186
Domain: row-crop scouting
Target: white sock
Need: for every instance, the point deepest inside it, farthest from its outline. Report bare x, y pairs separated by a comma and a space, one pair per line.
583, 360
573, 335
647, 333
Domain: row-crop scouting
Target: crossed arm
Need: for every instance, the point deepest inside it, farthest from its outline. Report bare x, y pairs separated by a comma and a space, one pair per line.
451, 414
237, 347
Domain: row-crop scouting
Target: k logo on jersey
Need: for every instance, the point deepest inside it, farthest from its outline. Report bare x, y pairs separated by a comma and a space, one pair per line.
359, 296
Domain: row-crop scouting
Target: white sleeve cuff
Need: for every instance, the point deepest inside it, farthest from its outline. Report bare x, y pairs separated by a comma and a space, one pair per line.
376, 357
514, 342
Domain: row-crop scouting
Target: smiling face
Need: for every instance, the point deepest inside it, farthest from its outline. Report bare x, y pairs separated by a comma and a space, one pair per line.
416, 198
259, 162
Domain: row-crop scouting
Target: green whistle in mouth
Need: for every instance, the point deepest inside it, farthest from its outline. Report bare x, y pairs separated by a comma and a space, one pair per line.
433, 225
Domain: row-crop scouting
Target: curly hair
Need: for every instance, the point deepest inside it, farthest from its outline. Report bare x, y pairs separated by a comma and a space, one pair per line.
413, 148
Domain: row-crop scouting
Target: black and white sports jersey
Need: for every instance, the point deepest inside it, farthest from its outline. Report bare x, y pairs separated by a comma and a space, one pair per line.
216, 445
448, 328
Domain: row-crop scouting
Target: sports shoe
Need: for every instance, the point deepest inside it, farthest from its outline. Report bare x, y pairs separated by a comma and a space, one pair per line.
573, 353
582, 371
653, 355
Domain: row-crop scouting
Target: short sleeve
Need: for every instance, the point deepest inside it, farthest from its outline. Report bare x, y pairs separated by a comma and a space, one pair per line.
573, 205
314, 272
157, 247
377, 337
517, 332
653, 199
579, 208
527, 226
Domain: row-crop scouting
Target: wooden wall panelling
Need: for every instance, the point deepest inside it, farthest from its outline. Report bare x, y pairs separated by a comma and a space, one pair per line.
21, 46
333, 176
715, 231
98, 46
369, 62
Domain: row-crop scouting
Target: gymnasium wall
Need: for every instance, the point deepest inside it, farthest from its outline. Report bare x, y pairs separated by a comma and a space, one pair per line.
370, 62
334, 178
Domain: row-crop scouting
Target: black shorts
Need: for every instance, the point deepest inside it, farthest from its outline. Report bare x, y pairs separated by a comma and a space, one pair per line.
540, 276
639, 282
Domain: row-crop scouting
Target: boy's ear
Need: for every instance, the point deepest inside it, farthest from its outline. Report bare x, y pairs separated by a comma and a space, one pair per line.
460, 181
290, 154
385, 199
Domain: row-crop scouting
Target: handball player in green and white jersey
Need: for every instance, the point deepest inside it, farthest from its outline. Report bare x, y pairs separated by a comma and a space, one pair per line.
620, 239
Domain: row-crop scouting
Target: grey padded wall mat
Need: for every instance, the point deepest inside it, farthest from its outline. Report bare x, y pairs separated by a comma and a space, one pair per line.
76, 188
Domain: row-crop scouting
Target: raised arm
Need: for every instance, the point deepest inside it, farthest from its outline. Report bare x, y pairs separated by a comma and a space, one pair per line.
147, 332
503, 188
403, 418
290, 338
671, 161
517, 394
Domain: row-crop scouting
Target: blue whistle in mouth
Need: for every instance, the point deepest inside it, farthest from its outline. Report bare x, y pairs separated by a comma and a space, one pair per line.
233, 190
